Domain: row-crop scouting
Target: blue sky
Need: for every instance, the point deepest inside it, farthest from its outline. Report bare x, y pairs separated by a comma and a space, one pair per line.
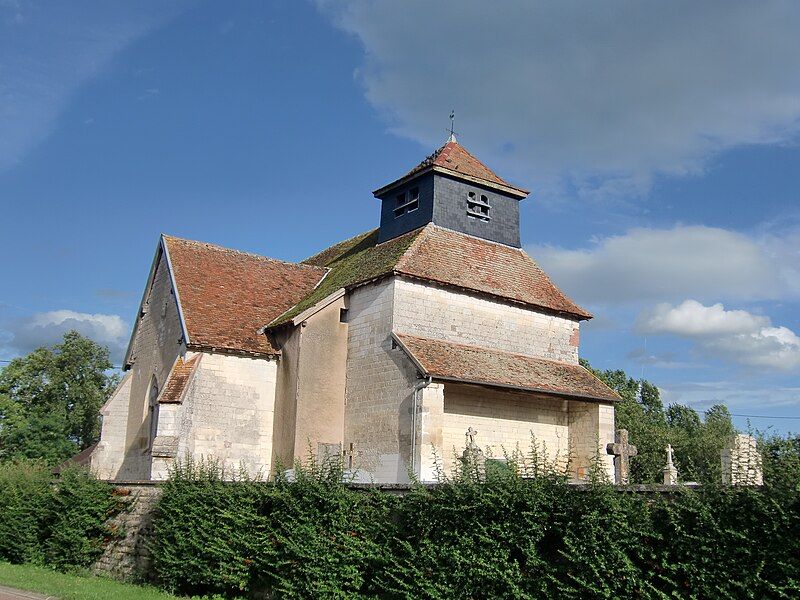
659, 139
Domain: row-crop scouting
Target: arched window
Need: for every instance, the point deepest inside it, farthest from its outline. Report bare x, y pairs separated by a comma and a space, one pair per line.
153, 411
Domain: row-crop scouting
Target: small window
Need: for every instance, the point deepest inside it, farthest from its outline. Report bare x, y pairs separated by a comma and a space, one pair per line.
153, 411
406, 202
478, 207
342, 315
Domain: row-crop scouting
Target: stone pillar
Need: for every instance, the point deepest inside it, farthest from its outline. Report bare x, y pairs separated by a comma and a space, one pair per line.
591, 429
741, 461
430, 421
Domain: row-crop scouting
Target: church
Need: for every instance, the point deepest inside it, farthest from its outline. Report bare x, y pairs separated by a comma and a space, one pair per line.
390, 349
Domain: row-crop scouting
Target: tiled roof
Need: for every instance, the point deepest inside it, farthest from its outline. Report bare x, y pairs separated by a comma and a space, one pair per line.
226, 296
351, 262
81, 459
454, 158
460, 260
473, 364
178, 379
442, 256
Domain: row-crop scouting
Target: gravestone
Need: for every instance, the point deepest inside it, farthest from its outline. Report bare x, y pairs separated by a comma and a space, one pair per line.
472, 459
623, 452
670, 472
741, 461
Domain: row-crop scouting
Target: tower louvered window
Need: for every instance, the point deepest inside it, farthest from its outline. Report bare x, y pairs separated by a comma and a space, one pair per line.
478, 206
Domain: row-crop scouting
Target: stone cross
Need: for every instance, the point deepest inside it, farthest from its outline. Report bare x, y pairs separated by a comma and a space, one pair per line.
472, 458
471, 433
670, 472
623, 452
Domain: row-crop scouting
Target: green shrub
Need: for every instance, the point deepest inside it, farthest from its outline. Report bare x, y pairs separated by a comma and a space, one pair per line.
506, 538
77, 528
25, 499
60, 523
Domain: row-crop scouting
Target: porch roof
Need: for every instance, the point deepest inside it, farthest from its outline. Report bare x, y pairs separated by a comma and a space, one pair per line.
449, 361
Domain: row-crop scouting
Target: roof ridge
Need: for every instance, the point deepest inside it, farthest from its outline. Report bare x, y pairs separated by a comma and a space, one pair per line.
362, 235
423, 231
213, 246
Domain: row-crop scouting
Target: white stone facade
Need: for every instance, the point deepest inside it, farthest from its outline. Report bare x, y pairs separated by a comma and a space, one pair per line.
381, 381
379, 387
395, 424
109, 454
227, 414
430, 311
507, 422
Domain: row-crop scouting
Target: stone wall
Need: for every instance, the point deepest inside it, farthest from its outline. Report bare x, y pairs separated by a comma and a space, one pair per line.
128, 556
742, 463
379, 388
109, 454
591, 428
227, 413
156, 345
426, 310
311, 384
506, 422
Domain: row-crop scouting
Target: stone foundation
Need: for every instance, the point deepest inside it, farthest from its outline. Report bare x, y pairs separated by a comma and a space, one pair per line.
128, 556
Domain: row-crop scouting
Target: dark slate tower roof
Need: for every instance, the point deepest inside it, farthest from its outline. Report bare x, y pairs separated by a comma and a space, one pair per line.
453, 189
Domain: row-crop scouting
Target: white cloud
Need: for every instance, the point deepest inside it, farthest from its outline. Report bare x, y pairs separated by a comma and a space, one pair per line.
47, 53
734, 335
671, 264
47, 328
693, 319
602, 94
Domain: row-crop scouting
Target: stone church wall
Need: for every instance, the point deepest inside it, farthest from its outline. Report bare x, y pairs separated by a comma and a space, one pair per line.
379, 386
504, 421
311, 385
430, 311
591, 428
109, 454
227, 414
158, 342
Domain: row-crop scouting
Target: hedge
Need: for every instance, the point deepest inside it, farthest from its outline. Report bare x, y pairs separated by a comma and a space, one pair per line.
59, 523
508, 537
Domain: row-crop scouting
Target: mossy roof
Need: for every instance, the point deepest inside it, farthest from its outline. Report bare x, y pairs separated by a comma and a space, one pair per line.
357, 260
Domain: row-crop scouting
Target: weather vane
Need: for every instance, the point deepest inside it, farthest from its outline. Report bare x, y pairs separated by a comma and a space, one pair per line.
452, 123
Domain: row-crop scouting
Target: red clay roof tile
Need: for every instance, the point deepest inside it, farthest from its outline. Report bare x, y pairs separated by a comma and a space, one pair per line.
456, 259
178, 379
454, 158
227, 296
474, 364
442, 256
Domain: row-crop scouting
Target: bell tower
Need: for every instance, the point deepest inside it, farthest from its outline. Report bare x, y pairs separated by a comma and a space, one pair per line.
453, 189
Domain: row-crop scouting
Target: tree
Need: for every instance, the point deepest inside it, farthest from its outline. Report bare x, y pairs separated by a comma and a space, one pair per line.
50, 399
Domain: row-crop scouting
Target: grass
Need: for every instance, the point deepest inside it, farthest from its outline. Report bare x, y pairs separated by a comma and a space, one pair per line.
74, 587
